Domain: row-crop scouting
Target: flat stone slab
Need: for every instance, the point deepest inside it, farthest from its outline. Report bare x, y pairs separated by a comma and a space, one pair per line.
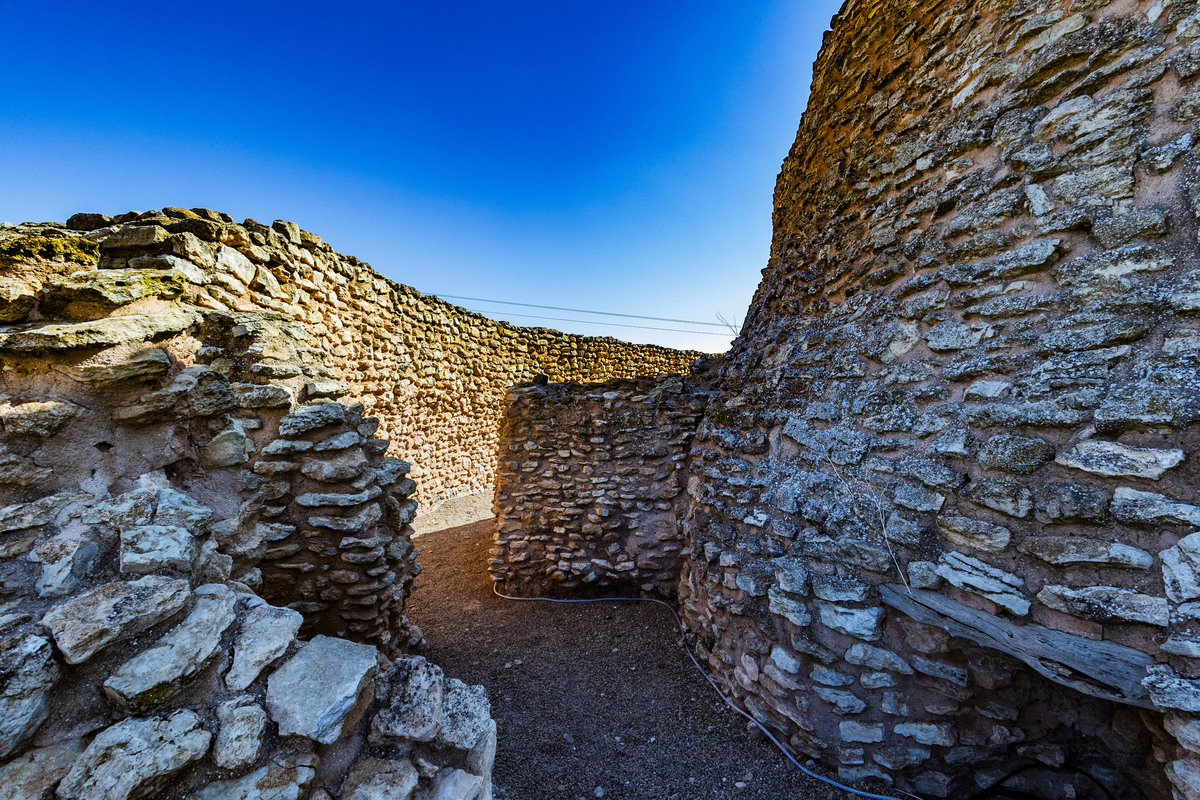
84, 625
322, 690
157, 674
286, 778
33, 775
97, 333
265, 634
27, 674
135, 758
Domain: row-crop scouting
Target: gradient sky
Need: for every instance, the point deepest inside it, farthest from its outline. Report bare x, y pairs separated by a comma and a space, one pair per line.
617, 155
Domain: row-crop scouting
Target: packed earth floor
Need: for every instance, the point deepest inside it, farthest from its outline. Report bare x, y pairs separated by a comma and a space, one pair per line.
591, 700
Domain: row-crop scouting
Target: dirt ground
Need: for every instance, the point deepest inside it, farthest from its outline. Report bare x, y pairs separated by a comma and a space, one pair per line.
592, 700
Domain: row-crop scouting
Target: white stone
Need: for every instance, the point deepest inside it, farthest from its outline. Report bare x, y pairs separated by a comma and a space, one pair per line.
323, 690
243, 722
941, 734
157, 674
456, 784
1118, 460
64, 561
380, 779
285, 778
863, 623
1131, 505
415, 697
867, 733
264, 635
89, 622
34, 774
27, 674
466, 715
135, 757
151, 548
973, 575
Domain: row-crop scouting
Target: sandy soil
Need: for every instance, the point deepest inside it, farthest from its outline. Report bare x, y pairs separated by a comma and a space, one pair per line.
592, 700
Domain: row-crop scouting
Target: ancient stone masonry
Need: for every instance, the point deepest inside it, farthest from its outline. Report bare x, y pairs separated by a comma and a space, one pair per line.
433, 374
943, 510
591, 485
204, 557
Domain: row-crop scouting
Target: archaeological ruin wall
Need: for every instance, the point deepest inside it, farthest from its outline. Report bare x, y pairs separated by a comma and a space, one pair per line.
591, 486
204, 557
943, 500
434, 374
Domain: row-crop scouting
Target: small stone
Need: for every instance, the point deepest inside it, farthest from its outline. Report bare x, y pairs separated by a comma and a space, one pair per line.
974, 533
136, 757
1019, 455
197, 391
972, 575
867, 733
231, 446
1068, 550
64, 562
380, 779
243, 722
28, 672
322, 691
877, 658
128, 366
345, 465
415, 691
862, 623
231, 261
1146, 508
940, 734
310, 418
263, 637
87, 623
150, 548
1107, 604
466, 715
1168, 690
843, 702
38, 513
1001, 494
89, 294
456, 784
1070, 502
254, 395
157, 674
1114, 459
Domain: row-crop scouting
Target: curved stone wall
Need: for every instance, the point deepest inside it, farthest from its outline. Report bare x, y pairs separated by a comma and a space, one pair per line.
951, 457
434, 374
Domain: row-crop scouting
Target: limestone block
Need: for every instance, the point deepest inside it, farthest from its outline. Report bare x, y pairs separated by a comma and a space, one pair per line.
28, 672
415, 695
17, 299
99, 333
321, 692
147, 549
973, 575
974, 533
1107, 604
87, 623
37, 513
157, 674
197, 391
466, 715
1146, 508
231, 446
242, 725
127, 365
102, 290
135, 757
264, 636
1068, 550
35, 774
457, 784
862, 623
64, 560
311, 418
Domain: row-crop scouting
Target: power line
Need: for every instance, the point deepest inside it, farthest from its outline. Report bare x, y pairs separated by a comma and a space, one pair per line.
586, 311
597, 322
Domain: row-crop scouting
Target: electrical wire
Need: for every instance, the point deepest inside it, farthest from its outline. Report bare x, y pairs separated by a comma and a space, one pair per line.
581, 310
711, 682
597, 322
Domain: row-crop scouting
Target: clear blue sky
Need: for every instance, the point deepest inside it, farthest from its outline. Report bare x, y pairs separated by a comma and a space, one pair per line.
613, 155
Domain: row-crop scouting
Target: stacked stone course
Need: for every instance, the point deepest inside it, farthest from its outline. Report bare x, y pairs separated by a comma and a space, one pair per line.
942, 505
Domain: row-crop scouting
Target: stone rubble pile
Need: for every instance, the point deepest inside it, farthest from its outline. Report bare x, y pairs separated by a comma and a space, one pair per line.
204, 554
942, 509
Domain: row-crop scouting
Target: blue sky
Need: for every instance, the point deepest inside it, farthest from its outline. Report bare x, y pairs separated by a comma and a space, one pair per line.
617, 156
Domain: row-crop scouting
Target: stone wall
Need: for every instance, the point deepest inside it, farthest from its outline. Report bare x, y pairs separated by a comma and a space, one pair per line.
434, 374
202, 580
943, 502
591, 486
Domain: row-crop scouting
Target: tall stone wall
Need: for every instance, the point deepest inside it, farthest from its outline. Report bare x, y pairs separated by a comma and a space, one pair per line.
591, 486
202, 579
942, 504
433, 374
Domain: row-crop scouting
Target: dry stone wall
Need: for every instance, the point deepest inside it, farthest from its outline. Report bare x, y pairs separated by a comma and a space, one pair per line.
591, 486
433, 374
943, 501
202, 577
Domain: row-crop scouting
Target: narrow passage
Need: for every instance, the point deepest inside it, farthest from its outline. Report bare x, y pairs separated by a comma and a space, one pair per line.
589, 698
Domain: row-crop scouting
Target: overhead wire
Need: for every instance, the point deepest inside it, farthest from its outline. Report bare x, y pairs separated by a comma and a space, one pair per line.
597, 322
582, 311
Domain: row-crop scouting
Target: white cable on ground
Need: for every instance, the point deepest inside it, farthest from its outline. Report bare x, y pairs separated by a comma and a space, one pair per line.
711, 682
